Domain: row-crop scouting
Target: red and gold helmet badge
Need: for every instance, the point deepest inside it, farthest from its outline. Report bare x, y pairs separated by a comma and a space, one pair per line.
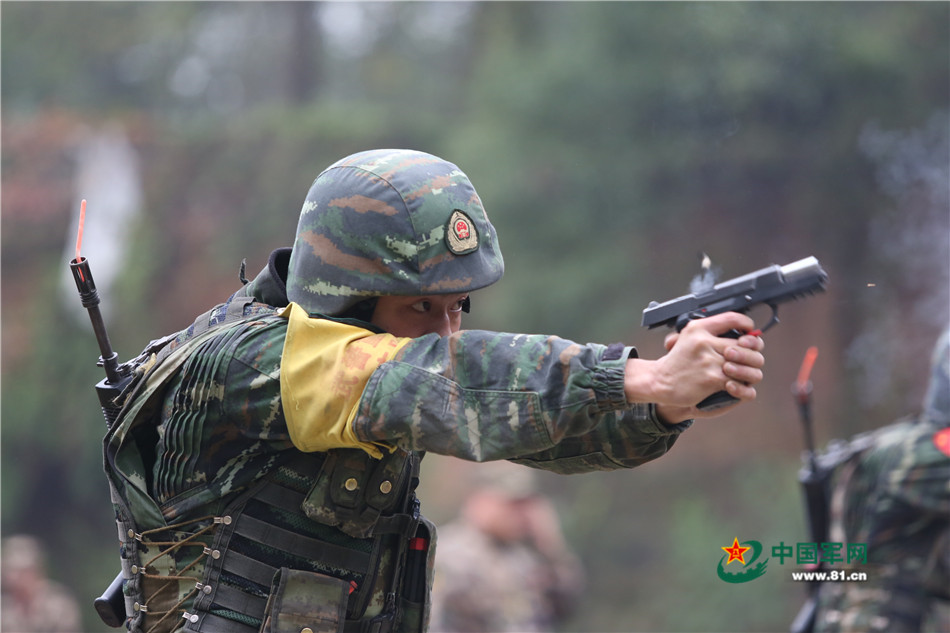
461, 236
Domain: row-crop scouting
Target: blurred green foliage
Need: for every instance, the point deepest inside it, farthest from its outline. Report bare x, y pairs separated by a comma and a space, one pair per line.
611, 143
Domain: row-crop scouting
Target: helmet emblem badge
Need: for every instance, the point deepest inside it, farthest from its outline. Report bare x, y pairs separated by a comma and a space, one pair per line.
461, 236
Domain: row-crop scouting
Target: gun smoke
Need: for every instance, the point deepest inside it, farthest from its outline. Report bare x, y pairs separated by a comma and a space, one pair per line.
909, 255
706, 279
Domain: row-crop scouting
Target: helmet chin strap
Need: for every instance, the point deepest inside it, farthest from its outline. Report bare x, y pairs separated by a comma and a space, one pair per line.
362, 311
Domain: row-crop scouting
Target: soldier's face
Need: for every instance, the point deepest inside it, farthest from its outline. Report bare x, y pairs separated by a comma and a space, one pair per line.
415, 316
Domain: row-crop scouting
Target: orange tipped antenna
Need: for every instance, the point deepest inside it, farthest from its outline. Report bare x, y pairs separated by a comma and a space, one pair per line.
89, 297
82, 221
804, 373
802, 392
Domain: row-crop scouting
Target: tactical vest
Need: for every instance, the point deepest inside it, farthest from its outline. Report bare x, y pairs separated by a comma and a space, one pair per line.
321, 541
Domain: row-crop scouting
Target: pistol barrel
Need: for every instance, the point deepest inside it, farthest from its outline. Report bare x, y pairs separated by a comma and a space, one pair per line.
770, 286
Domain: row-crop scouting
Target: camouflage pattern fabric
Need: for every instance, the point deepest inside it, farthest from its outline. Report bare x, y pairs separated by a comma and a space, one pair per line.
895, 497
390, 222
562, 403
217, 437
210, 442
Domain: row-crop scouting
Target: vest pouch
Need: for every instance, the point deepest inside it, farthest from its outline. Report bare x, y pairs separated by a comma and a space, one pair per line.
304, 600
414, 600
353, 489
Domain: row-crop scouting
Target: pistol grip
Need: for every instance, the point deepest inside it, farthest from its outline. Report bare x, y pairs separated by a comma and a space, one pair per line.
111, 604
720, 398
716, 401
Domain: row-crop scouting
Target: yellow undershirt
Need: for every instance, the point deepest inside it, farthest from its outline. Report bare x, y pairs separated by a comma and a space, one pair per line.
324, 367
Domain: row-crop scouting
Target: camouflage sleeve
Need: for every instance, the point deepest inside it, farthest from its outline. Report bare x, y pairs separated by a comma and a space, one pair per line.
484, 396
909, 468
624, 439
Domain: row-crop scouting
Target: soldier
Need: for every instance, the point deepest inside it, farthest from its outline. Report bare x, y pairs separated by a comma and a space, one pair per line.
32, 603
893, 496
503, 564
264, 464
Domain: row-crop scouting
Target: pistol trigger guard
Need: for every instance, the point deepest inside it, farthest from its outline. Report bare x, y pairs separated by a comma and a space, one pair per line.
773, 320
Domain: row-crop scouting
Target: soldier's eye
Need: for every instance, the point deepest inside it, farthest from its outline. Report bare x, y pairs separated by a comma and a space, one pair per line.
422, 306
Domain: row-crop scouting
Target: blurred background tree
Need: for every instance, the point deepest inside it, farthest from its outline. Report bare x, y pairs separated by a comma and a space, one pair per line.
612, 143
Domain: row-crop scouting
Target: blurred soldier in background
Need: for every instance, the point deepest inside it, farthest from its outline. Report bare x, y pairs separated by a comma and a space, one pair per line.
32, 603
503, 565
894, 496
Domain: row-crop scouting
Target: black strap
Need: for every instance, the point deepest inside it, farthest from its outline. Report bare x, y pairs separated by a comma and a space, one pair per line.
234, 599
234, 311
249, 568
303, 546
211, 623
279, 496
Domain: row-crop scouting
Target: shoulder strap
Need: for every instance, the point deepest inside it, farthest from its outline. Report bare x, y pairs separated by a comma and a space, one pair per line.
123, 463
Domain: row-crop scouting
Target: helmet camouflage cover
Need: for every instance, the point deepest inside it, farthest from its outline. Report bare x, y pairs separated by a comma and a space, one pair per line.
390, 222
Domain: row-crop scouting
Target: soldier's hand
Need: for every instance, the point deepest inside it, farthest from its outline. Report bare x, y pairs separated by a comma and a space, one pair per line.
699, 363
543, 525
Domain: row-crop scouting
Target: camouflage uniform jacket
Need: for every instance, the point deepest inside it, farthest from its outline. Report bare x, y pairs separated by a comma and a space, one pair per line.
213, 424
893, 497
892, 493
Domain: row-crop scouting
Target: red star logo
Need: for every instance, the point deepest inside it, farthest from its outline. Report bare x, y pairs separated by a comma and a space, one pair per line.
736, 551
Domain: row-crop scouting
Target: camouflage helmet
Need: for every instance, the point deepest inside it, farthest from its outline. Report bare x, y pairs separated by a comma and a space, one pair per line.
390, 222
